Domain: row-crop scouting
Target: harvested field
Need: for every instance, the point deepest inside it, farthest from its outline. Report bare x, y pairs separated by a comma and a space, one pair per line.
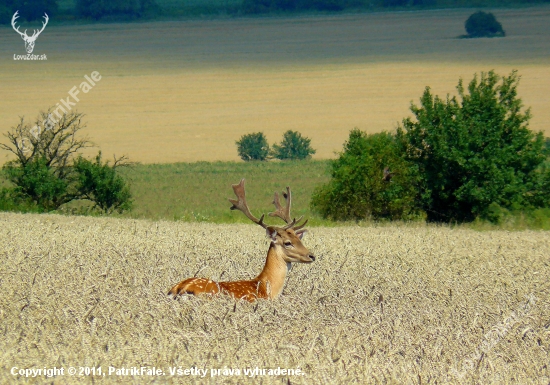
186, 90
393, 305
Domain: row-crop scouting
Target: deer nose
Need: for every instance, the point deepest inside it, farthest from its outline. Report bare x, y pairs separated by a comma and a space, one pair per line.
312, 257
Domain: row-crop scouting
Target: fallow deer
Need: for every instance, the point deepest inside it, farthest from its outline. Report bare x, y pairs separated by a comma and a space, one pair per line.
285, 248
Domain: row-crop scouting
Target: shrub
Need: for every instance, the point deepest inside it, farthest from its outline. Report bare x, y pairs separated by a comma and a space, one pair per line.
358, 189
481, 24
476, 151
253, 147
48, 171
293, 146
547, 146
99, 183
37, 182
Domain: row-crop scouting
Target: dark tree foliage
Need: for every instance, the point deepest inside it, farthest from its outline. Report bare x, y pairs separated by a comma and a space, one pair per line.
547, 146
29, 10
358, 188
253, 147
38, 183
99, 183
98, 9
482, 24
475, 150
293, 146
265, 6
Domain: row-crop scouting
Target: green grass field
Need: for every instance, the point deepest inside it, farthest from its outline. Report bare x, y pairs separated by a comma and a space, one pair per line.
199, 191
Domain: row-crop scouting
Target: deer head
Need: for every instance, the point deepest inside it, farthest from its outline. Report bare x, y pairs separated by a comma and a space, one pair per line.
286, 239
29, 40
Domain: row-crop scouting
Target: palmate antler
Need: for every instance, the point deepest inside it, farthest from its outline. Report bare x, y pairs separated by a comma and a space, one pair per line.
285, 248
281, 212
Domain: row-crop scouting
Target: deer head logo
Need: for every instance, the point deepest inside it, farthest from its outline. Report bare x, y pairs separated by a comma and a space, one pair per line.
29, 40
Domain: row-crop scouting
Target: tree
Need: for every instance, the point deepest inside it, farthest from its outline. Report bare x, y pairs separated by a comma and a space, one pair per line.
253, 147
99, 183
370, 179
293, 146
29, 10
98, 9
475, 150
44, 171
482, 24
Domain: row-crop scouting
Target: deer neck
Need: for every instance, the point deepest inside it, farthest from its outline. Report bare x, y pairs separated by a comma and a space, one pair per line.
274, 272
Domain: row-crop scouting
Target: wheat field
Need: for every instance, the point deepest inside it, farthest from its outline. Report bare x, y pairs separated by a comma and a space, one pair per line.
184, 91
380, 305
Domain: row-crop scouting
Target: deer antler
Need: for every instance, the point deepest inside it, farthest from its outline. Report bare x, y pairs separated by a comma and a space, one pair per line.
284, 212
240, 204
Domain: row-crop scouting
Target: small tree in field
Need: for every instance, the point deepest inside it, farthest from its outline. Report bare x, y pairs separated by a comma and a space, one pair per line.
99, 183
253, 147
46, 171
481, 24
293, 146
370, 179
475, 151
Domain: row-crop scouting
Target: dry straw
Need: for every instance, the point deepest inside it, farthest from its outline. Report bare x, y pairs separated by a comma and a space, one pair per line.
387, 304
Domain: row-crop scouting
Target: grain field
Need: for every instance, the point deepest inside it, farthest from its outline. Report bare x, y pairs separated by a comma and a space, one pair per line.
381, 305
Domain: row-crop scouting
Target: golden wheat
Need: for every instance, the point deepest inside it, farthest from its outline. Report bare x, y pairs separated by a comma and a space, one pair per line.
393, 305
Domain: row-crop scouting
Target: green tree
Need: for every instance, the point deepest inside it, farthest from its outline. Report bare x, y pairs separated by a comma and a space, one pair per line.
474, 150
48, 170
360, 188
29, 10
98, 9
99, 183
293, 146
253, 147
36, 182
482, 24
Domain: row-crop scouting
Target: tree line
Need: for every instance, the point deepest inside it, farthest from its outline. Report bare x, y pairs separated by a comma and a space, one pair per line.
135, 9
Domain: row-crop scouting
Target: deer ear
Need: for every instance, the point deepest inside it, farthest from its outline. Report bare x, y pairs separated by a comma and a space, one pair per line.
271, 233
300, 233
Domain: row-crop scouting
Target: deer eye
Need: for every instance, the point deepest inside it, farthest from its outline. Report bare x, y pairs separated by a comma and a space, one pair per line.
288, 244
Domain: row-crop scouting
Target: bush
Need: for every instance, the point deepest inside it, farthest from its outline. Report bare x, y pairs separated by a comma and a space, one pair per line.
293, 146
35, 181
48, 171
253, 147
99, 183
476, 156
546, 146
358, 189
481, 24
